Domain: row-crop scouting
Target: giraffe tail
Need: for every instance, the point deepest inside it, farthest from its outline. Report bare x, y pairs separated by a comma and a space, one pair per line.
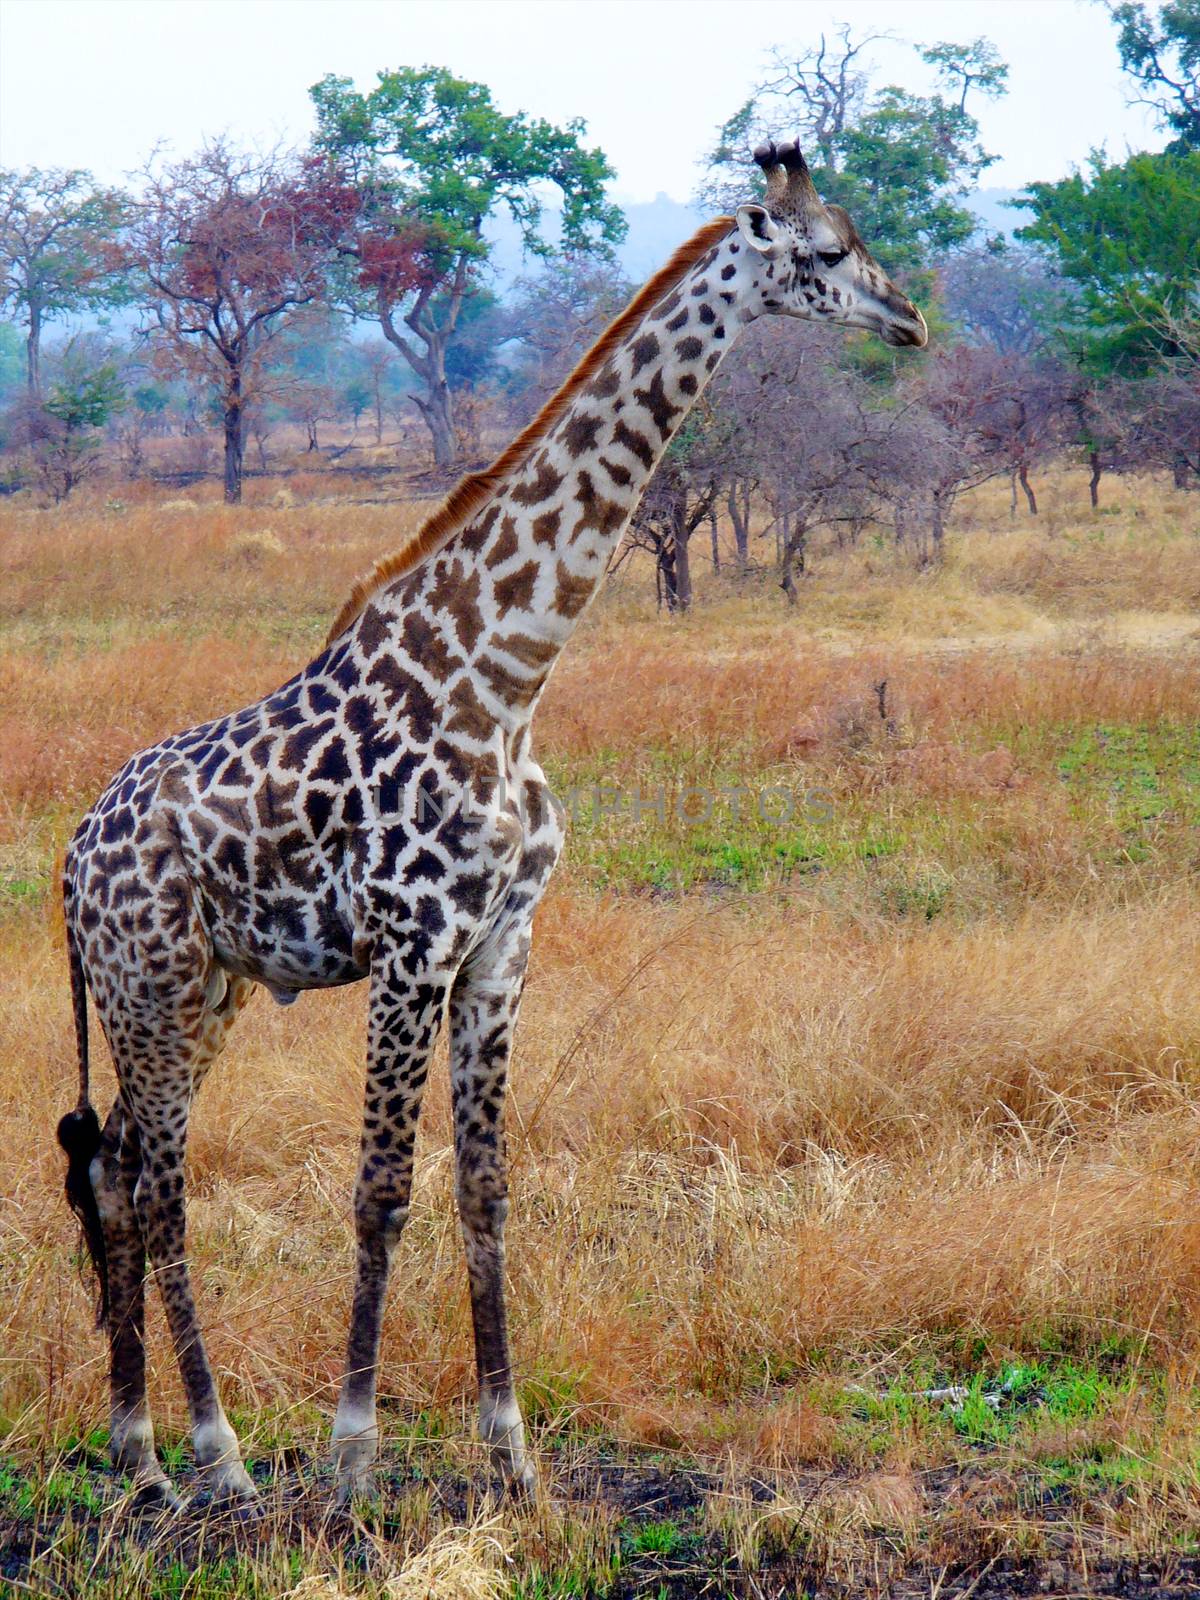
79, 1136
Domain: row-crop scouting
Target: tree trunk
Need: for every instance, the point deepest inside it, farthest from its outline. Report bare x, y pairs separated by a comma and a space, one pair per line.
739, 516
682, 562
1023, 480
234, 441
792, 553
33, 353
378, 412
716, 547
435, 404
1179, 472
937, 526
1094, 480
668, 584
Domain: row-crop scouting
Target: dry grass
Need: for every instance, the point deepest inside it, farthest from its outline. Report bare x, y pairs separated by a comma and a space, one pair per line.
766, 1143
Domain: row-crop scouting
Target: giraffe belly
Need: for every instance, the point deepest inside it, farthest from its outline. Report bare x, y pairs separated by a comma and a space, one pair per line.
287, 944
285, 972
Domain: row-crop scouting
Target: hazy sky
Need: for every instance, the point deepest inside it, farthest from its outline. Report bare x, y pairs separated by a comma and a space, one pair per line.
96, 83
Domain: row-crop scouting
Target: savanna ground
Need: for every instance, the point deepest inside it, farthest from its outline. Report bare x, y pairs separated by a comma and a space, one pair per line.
809, 1116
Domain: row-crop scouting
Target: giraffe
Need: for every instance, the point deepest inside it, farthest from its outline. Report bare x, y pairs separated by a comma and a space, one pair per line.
381, 816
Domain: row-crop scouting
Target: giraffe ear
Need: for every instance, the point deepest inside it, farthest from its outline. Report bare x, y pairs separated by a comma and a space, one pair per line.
758, 228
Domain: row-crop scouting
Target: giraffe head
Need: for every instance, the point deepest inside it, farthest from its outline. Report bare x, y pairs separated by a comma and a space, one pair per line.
819, 268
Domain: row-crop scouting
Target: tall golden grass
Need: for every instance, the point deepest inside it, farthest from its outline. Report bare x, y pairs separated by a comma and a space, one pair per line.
752, 1134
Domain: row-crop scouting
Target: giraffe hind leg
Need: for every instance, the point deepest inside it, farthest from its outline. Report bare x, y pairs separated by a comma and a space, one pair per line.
114, 1175
161, 1060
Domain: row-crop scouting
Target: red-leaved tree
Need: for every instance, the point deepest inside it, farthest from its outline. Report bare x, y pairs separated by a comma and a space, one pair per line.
225, 248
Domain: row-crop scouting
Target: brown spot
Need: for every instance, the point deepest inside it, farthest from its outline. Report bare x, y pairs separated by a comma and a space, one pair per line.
425, 644
571, 594
579, 434
606, 383
506, 544
678, 321
688, 384
645, 349
456, 592
274, 801
689, 349
545, 482
636, 443
530, 652
470, 716
619, 475
474, 535
700, 288
372, 630
505, 684
656, 403
517, 589
545, 527
605, 515
665, 307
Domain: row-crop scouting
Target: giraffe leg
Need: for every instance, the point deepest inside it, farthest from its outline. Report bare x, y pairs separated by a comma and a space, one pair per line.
160, 1208
114, 1175
404, 1017
483, 1015
159, 1078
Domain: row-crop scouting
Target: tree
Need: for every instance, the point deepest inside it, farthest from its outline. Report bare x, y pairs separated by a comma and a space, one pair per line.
680, 496
226, 247
1162, 53
897, 161
1129, 236
553, 317
305, 374
432, 158
1006, 296
58, 251
86, 396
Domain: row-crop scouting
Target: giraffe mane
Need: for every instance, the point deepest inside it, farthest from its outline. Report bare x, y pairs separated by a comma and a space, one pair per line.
473, 491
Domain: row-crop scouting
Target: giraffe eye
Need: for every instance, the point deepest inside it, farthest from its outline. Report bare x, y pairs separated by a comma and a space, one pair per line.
832, 257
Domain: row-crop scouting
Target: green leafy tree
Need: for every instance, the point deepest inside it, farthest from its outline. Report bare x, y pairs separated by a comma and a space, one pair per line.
81, 403
58, 251
12, 359
432, 157
1129, 235
899, 162
1162, 54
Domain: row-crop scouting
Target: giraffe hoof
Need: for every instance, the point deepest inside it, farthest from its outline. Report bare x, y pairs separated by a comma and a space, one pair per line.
357, 1485
521, 1485
231, 1486
155, 1496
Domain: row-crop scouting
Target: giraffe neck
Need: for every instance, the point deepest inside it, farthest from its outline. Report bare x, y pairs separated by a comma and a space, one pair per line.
536, 554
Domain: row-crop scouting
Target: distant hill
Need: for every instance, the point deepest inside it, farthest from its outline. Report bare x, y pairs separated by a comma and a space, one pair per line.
657, 226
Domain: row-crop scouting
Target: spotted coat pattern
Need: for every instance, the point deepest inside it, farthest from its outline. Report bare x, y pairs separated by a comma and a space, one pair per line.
380, 816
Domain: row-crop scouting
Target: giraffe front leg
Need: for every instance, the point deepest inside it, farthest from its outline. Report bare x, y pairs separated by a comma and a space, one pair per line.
483, 1015
403, 1021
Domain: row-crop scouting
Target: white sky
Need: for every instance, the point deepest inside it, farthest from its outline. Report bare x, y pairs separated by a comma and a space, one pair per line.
96, 83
